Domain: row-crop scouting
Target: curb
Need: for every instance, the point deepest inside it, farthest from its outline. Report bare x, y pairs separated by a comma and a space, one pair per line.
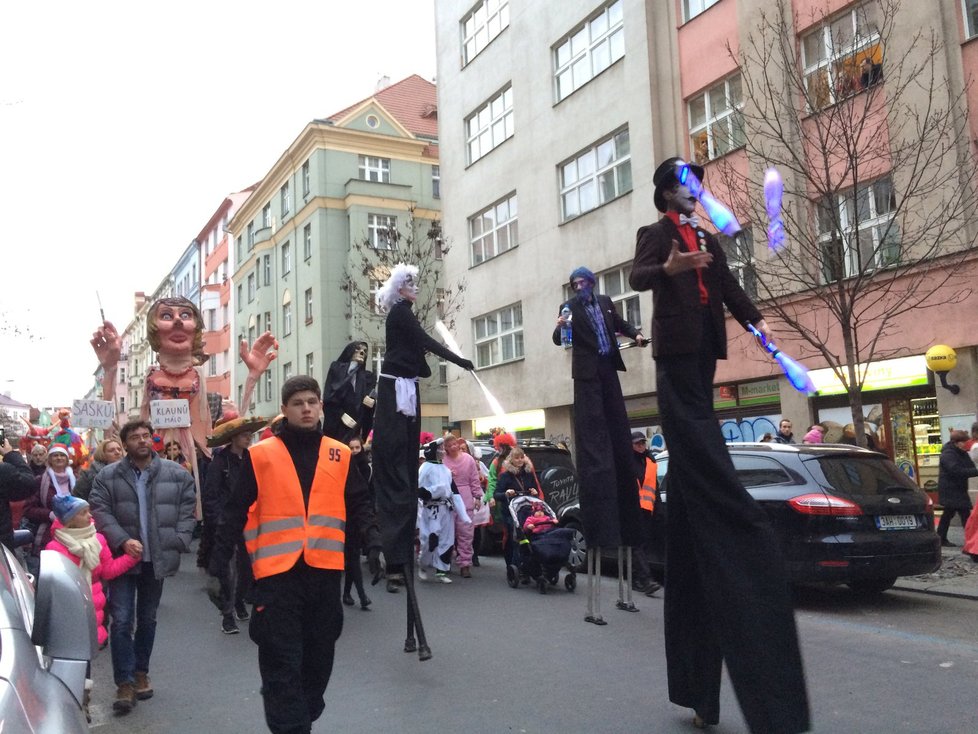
934, 591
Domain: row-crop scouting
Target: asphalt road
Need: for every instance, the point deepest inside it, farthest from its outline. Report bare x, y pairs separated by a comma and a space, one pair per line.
516, 661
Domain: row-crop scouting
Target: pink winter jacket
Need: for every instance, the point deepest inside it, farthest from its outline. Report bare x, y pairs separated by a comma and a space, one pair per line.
107, 569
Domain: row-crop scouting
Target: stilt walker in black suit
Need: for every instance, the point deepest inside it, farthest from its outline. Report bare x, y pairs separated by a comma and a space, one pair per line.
727, 596
397, 436
609, 496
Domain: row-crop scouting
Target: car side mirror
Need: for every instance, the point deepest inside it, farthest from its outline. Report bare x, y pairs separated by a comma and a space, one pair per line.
64, 620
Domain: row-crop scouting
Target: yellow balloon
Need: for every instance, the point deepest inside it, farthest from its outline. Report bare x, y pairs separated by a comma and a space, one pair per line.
941, 358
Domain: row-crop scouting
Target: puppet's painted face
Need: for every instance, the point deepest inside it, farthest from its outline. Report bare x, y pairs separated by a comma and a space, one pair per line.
175, 326
360, 353
409, 291
679, 199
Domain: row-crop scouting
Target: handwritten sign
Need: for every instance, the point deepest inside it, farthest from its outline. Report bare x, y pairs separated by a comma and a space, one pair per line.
92, 413
169, 414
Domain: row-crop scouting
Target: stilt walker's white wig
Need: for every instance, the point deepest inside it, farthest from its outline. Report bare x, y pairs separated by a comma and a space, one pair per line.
389, 293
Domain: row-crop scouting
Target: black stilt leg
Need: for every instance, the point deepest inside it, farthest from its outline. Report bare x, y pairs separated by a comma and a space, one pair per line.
414, 618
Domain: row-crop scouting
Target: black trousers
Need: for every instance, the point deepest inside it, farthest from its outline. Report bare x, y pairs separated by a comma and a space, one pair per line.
726, 598
395, 464
605, 469
948, 514
296, 621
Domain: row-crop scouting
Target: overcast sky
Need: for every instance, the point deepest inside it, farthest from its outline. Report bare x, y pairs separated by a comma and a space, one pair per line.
124, 124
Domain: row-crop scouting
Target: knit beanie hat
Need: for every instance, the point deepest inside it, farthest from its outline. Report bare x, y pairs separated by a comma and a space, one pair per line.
66, 506
813, 436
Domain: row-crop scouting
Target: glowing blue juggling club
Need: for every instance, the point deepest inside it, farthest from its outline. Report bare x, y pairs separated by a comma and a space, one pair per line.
722, 218
797, 375
773, 193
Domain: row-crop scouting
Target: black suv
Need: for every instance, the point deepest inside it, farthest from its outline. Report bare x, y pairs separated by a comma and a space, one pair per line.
842, 514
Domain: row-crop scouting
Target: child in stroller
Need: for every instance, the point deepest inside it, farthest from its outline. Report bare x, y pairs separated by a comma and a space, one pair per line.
543, 547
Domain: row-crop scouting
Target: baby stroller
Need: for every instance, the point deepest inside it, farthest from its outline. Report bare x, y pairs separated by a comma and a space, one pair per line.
540, 555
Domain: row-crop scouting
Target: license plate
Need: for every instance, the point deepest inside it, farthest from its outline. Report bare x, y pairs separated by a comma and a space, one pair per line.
896, 522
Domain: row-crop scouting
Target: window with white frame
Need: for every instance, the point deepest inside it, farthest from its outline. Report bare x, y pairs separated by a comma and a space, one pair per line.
251, 236
614, 284
375, 169
436, 181
251, 287
268, 321
308, 305
442, 372
251, 334
833, 55
377, 357
266, 215
740, 259
285, 198
306, 179
212, 366
480, 25
268, 384
267, 269
286, 258
692, 8
382, 231
286, 371
857, 230
499, 336
307, 242
493, 230
490, 125
375, 286
970, 8
716, 121
122, 403
258, 275
310, 364
595, 176
287, 314
589, 49
211, 319
240, 299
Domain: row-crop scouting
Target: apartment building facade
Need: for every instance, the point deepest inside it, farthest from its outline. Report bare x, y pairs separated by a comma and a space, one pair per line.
553, 119
343, 185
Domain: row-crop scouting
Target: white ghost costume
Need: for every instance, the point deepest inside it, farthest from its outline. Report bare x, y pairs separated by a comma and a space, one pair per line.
435, 515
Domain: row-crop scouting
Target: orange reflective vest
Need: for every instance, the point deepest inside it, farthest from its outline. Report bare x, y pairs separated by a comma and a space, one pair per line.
280, 528
646, 490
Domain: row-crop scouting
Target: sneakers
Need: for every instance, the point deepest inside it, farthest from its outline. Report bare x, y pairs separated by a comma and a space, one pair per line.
442, 578
422, 573
241, 612
142, 687
229, 626
125, 698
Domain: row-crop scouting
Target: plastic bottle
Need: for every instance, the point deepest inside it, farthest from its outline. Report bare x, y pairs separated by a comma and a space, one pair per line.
566, 333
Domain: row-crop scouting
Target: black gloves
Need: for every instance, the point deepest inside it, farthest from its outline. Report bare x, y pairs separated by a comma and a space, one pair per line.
373, 564
423, 494
466, 364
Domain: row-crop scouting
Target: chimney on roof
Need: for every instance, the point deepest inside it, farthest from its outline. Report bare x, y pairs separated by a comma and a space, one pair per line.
383, 83
139, 300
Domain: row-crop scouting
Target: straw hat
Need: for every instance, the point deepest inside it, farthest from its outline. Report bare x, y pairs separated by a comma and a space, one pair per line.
224, 432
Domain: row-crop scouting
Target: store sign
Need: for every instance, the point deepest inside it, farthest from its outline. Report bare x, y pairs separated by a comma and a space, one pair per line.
884, 375
759, 393
724, 396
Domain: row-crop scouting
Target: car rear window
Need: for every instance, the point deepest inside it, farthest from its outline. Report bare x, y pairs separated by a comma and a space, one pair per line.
864, 475
755, 471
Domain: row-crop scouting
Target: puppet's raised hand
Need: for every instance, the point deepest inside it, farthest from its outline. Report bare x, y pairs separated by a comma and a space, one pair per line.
107, 345
260, 355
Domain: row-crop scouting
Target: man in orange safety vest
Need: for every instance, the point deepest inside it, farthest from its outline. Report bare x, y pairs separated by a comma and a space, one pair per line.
645, 469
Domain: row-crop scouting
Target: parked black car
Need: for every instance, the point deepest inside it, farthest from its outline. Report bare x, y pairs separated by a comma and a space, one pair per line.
842, 514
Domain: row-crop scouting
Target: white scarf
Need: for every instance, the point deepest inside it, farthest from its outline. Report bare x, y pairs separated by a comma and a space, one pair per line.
50, 478
81, 543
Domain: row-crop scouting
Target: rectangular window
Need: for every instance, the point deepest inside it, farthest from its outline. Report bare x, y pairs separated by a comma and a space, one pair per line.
257, 275
740, 259
306, 179
377, 357
251, 335
266, 215
308, 305
970, 18
692, 8
842, 56
251, 287
442, 372
212, 319
268, 321
310, 365
285, 198
268, 384
614, 284
240, 394
589, 49
286, 258
224, 316
857, 230
595, 176
490, 125
382, 231
493, 230
286, 371
212, 366
483, 23
267, 269
307, 242
375, 169
436, 181
287, 319
716, 121
240, 299
499, 336
374, 289
122, 403
251, 236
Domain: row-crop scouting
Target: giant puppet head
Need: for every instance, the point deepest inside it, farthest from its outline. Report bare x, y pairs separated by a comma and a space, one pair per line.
175, 327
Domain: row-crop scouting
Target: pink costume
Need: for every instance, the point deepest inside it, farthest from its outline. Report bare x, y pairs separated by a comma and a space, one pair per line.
107, 569
538, 524
465, 472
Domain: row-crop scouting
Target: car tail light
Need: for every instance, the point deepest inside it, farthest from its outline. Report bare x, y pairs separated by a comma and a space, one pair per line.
824, 504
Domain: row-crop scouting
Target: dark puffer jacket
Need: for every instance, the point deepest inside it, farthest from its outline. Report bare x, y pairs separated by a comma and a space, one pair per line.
172, 500
952, 478
16, 483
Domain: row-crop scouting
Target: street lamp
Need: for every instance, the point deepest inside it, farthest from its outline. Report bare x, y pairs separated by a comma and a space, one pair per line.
941, 359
